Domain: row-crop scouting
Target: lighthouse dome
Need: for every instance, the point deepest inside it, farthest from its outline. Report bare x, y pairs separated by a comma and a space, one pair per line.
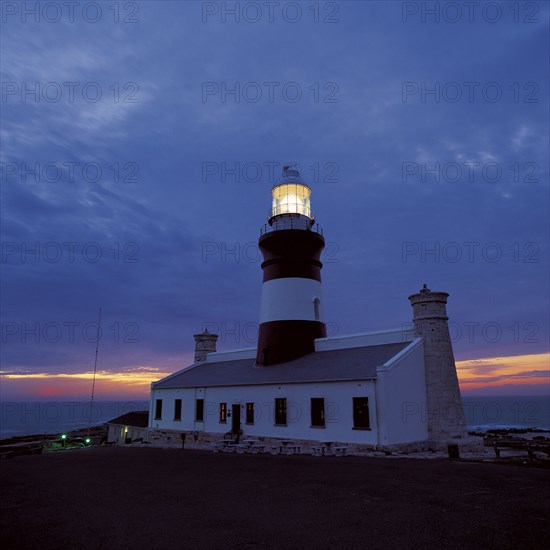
291, 195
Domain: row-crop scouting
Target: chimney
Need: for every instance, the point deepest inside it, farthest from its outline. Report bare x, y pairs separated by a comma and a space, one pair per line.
445, 412
204, 343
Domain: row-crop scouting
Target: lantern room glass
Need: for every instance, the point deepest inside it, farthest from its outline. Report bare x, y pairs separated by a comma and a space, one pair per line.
291, 198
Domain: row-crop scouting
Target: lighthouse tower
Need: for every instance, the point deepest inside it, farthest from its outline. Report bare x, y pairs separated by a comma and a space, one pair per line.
291, 316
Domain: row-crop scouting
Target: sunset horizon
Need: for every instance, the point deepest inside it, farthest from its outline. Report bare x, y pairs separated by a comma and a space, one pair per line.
513, 376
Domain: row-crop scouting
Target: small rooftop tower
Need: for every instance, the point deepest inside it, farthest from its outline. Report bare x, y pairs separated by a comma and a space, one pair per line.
291, 315
205, 343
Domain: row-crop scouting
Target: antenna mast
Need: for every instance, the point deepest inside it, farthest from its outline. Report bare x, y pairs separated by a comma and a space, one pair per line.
95, 370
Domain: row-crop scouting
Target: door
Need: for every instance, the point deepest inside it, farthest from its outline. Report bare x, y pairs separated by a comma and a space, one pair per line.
235, 418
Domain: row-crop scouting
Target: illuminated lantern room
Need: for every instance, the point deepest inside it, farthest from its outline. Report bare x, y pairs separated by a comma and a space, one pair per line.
291, 198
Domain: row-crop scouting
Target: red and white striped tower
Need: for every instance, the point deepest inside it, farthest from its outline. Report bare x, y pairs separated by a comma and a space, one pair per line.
291, 315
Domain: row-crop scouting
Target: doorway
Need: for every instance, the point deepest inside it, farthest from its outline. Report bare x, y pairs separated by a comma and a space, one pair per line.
236, 419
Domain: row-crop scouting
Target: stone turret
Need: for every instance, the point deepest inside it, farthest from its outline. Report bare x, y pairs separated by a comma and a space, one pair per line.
205, 343
445, 412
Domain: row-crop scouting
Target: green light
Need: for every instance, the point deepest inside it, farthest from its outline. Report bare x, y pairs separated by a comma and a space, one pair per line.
88, 440
63, 436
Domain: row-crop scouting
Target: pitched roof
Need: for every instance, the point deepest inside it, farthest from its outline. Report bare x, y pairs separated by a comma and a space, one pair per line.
137, 419
342, 364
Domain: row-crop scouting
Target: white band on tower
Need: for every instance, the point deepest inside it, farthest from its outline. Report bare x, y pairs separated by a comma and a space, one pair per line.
291, 298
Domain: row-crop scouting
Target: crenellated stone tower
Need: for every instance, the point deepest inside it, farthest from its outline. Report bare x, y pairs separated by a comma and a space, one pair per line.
445, 412
205, 343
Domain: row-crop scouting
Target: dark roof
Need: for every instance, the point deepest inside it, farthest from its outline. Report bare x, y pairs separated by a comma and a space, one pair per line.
340, 364
137, 419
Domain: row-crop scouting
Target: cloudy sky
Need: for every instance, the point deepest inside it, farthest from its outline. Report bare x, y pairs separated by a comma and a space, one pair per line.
140, 142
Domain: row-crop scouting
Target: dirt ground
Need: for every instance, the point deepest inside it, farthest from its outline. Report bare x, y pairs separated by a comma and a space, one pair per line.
135, 498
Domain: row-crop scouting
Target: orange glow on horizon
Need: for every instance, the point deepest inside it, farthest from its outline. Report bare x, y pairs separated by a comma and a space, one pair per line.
134, 382
494, 372
473, 374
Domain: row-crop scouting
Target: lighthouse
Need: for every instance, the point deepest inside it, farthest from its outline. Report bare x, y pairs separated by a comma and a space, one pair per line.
392, 389
291, 315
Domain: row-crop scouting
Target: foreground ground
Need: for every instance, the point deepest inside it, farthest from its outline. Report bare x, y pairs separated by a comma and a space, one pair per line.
172, 498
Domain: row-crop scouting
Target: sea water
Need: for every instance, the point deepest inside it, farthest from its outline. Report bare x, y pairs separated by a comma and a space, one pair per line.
52, 417
483, 413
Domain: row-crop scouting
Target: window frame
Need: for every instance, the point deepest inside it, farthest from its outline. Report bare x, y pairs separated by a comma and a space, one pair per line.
178, 406
223, 413
317, 309
249, 408
158, 409
355, 413
280, 411
322, 417
197, 401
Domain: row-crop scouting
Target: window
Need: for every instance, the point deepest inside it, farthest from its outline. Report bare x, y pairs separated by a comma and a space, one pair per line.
280, 411
158, 409
223, 412
250, 413
177, 409
361, 413
199, 410
316, 304
318, 412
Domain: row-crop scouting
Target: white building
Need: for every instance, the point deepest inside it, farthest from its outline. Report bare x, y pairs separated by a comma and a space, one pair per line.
128, 428
383, 390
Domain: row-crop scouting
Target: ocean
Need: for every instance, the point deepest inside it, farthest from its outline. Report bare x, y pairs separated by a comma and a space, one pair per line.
50, 417
483, 413
47, 417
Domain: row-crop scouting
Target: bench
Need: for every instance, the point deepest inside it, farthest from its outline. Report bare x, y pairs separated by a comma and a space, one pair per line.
292, 449
519, 445
340, 451
238, 447
318, 450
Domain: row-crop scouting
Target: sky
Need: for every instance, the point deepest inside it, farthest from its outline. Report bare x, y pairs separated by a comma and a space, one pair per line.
140, 142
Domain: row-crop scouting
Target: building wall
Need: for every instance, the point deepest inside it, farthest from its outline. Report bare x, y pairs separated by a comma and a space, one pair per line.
119, 434
115, 434
401, 397
338, 410
324, 344
364, 339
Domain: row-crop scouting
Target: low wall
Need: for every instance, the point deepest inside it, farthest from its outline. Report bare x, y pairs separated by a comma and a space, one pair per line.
173, 438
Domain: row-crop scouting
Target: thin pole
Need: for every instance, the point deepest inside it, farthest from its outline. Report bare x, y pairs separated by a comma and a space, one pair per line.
95, 370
